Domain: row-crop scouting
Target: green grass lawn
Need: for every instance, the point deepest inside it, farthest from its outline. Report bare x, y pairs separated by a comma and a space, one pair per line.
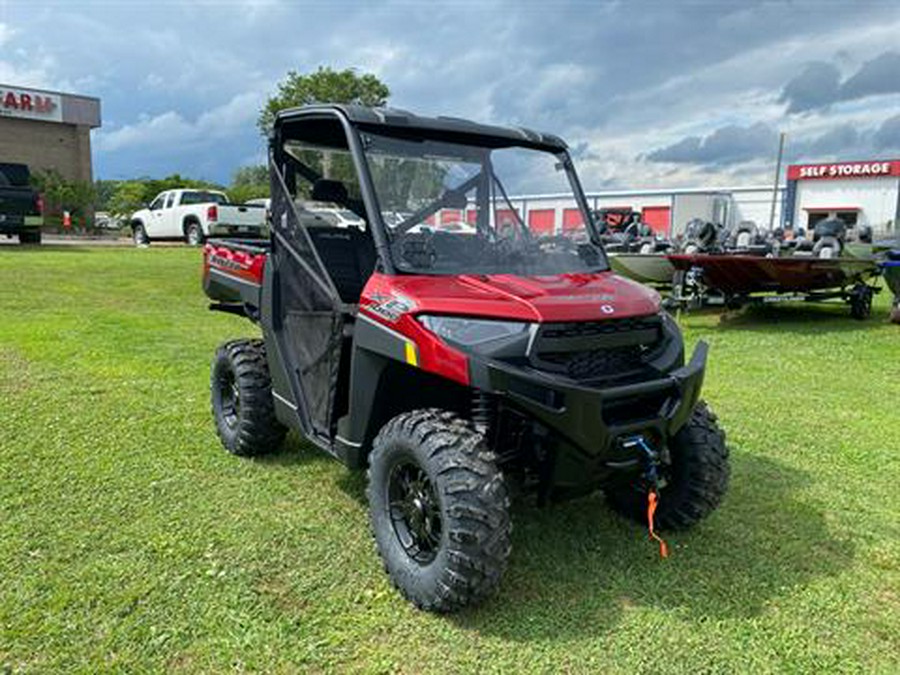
130, 541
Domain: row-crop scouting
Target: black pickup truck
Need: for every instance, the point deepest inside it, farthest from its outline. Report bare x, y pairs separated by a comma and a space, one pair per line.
20, 204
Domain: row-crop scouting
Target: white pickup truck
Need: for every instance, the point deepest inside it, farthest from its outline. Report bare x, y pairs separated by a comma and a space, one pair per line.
194, 215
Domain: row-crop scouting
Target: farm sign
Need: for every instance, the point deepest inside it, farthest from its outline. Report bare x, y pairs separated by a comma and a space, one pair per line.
30, 104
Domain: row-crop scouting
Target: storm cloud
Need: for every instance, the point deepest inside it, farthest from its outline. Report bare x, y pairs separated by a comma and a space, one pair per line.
815, 87
733, 145
181, 85
888, 135
819, 84
728, 145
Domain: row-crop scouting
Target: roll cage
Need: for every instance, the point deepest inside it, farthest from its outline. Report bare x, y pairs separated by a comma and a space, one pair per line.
341, 127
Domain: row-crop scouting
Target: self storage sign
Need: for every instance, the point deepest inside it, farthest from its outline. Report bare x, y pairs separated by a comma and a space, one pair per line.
30, 104
840, 170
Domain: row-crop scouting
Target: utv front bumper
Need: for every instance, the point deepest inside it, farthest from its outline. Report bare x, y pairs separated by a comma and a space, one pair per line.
593, 422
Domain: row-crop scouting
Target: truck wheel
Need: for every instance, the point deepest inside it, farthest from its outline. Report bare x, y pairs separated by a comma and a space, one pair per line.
895, 314
439, 510
242, 403
139, 235
695, 482
861, 302
734, 302
30, 237
193, 235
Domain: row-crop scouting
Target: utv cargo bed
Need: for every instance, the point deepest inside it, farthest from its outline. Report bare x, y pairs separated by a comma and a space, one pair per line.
233, 271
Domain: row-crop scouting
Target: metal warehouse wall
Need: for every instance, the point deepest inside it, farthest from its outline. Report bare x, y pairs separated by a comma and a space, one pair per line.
636, 202
756, 203
47, 145
748, 203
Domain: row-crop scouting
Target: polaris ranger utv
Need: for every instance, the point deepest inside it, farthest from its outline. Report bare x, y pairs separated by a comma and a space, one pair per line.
449, 348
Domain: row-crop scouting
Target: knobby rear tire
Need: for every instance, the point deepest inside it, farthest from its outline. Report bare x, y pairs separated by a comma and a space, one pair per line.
240, 371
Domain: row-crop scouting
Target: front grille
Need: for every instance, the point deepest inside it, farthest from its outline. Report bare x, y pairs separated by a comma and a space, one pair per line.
597, 363
611, 350
586, 329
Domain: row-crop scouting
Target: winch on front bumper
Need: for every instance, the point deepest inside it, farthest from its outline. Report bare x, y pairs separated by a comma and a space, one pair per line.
587, 422
593, 419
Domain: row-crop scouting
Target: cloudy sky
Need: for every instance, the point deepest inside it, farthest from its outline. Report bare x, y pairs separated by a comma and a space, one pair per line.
647, 93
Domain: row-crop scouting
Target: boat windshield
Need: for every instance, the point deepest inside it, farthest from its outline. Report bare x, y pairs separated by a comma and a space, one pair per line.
447, 209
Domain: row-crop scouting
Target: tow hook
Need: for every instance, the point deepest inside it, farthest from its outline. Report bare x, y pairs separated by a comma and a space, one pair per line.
650, 477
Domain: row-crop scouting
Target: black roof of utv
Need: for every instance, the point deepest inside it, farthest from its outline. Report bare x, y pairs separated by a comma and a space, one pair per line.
445, 128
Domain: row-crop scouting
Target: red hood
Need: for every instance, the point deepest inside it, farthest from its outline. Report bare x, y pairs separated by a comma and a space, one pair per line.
562, 297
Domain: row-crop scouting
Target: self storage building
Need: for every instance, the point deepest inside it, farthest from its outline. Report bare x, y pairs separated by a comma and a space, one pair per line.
48, 130
859, 193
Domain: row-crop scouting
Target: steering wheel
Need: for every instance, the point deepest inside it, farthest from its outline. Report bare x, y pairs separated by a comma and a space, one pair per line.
418, 251
558, 242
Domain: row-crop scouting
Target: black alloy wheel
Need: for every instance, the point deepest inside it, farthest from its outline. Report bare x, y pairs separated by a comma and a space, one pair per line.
415, 511
229, 396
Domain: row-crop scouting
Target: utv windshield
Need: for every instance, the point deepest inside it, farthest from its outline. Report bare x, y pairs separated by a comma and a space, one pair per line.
447, 209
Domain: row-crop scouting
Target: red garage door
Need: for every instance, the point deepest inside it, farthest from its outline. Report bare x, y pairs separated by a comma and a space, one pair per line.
505, 217
450, 216
541, 221
572, 220
659, 218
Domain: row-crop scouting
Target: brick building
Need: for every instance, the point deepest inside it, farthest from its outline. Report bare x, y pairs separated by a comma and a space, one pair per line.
48, 130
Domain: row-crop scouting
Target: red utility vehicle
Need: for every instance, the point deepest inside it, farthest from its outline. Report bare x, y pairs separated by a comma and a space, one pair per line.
454, 365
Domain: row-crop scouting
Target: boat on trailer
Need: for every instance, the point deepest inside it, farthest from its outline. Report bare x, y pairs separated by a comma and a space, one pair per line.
647, 268
744, 279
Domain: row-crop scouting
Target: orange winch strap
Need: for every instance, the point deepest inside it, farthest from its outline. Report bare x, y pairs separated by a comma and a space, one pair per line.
652, 501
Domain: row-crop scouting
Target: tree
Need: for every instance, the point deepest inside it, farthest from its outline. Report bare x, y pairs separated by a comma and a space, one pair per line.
323, 86
105, 190
78, 197
249, 182
250, 175
127, 198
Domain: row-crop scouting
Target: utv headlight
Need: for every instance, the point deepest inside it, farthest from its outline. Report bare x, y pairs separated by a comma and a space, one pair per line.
471, 332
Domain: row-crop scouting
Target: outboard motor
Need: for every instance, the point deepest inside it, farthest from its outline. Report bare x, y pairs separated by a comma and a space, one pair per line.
864, 234
827, 247
700, 236
829, 236
745, 235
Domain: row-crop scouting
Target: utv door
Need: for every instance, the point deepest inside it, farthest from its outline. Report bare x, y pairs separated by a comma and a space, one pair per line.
308, 317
